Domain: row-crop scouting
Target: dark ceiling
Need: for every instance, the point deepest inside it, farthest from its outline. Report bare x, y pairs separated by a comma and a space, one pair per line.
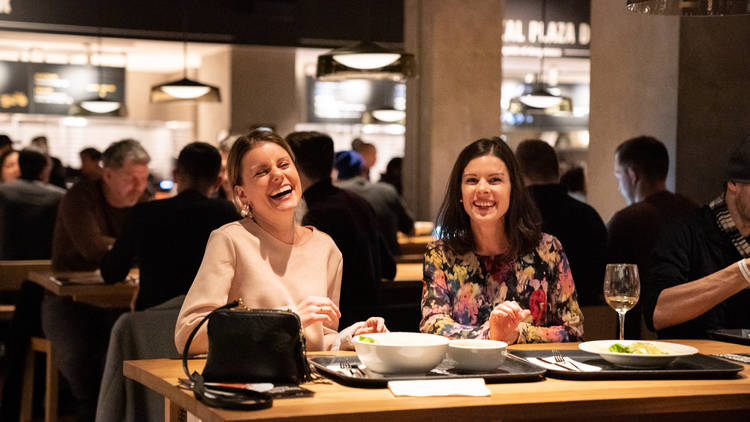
321, 23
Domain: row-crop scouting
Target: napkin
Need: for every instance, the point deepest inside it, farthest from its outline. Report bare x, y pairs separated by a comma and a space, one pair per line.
546, 363
442, 387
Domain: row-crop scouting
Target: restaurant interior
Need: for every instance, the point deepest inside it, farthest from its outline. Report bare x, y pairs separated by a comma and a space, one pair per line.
620, 74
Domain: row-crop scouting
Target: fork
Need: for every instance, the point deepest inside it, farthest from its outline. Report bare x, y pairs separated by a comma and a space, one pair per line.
351, 367
559, 358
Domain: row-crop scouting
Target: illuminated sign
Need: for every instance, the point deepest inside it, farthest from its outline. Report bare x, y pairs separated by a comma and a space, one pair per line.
44, 88
564, 32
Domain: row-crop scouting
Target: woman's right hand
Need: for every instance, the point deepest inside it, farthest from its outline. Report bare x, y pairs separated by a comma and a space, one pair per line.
314, 309
504, 321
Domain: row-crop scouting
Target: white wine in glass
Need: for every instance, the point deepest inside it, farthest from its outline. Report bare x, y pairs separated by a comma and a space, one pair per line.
622, 288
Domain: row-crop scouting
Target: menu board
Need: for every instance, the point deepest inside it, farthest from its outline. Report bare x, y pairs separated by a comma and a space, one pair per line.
14, 97
44, 88
346, 101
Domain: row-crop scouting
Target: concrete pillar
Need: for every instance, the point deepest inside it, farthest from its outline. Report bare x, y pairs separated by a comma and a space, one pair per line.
263, 89
455, 100
714, 100
634, 73
214, 118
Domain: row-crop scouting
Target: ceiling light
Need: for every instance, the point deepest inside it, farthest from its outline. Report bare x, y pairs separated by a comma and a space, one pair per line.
100, 105
184, 89
388, 115
537, 96
689, 8
365, 60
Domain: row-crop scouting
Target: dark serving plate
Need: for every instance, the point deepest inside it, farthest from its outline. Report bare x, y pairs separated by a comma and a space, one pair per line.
684, 367
512, 370
736, 335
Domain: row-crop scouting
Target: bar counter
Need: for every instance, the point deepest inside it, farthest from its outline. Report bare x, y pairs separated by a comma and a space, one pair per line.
551, 399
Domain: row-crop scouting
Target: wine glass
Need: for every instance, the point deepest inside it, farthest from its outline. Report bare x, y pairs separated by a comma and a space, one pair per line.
622, 288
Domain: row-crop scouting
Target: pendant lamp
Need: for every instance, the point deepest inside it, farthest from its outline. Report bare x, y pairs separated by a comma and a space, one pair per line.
184, 89
537, 96
99, 104
689, 8
365, 60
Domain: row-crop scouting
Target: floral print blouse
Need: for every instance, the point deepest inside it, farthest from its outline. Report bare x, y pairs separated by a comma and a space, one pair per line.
460, 291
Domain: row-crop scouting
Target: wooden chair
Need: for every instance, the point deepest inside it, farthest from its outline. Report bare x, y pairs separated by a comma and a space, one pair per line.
12, 274
40, 345
599, 322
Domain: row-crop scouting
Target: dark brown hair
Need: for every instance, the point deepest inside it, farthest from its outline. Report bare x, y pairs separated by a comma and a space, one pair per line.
522, 221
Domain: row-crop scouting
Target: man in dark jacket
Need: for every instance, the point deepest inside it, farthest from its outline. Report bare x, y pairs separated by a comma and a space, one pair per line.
350, 221
167, 238
575, 224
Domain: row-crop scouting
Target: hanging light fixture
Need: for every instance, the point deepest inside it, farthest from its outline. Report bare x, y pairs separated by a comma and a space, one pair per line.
185, 88
689, 8
538, 96
99, 104
365, 60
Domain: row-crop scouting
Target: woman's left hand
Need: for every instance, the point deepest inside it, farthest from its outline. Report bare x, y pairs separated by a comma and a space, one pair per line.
372, 325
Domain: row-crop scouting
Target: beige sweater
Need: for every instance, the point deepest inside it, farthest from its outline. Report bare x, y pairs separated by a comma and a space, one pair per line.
244, 261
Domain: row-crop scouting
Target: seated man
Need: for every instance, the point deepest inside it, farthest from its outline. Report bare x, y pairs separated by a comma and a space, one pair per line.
698, 278
390, 209
349, 220
577, 225
167, 238
90, 217
28, 207
641, 166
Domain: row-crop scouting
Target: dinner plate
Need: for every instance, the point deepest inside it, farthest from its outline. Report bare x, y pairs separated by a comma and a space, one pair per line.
630, 360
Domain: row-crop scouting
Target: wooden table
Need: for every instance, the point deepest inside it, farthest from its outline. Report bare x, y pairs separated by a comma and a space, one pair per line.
116, 295
14, 272
414, 245
552, 399
408, 272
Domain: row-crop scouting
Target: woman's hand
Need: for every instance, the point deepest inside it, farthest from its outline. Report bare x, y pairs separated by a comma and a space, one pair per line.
314, 309
372, 325
504, 321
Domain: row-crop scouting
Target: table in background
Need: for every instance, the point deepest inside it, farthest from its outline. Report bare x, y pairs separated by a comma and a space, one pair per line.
116, 295
551, 399
14, 272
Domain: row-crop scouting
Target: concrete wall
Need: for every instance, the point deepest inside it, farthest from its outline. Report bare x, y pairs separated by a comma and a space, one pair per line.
714, 100
263, 89
214, 118
138, 99
634, 91
455, 100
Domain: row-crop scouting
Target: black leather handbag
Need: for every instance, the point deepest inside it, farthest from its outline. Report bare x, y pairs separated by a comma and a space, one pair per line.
248, 346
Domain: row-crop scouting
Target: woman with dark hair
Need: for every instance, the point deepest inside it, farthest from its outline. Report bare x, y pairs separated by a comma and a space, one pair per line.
9, 166
493, 273
266, 258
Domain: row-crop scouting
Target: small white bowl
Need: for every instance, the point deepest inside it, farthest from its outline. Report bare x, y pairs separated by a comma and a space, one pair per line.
401, 353
477, 354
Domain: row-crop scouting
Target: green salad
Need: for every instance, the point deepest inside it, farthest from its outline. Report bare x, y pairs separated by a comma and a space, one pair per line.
366, 339
638, 348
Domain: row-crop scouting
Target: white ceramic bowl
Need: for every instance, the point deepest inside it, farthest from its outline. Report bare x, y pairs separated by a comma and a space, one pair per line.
401, 353
629, 360
477, 354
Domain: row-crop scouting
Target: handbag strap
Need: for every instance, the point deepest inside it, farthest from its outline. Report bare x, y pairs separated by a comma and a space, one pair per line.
218, 395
